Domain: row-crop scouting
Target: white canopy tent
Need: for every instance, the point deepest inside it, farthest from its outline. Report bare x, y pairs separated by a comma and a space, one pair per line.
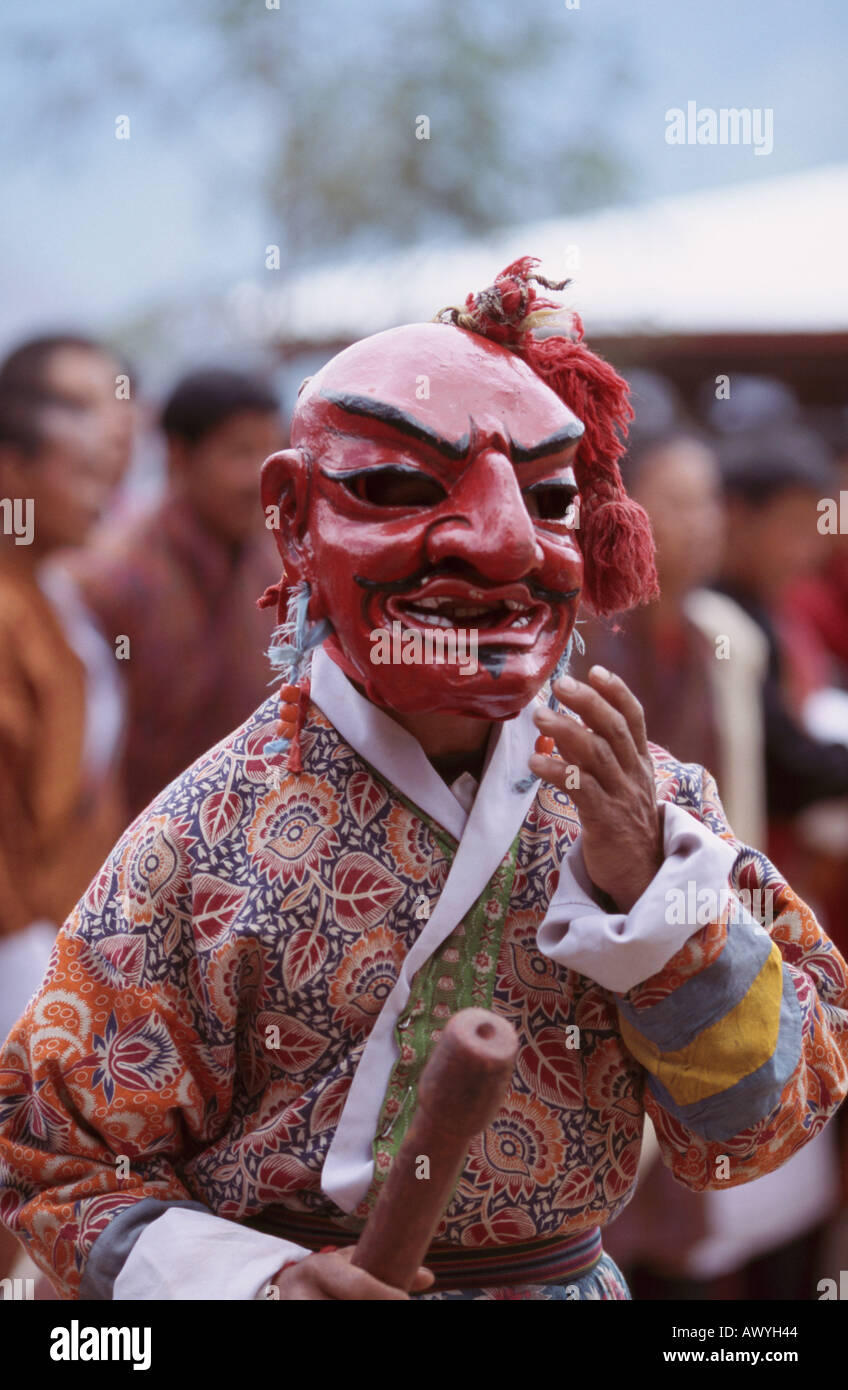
768, 256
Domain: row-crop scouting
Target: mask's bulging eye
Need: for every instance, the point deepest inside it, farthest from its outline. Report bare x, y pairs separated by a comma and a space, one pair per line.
395, 487
553, 502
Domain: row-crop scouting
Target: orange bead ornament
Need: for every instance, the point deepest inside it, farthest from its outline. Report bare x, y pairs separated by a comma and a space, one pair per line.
544, 745
289, 708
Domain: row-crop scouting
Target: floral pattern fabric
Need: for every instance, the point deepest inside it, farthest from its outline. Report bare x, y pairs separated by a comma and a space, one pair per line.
208, 1001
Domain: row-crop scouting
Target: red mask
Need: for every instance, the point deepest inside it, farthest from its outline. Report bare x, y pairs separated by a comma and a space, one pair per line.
430, 483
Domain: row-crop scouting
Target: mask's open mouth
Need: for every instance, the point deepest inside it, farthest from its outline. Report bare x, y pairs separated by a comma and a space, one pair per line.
507, 616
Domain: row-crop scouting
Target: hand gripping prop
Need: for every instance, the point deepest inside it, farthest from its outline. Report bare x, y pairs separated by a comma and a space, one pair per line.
460, 1093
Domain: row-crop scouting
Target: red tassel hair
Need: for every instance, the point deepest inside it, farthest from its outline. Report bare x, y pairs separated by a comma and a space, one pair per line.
615, 533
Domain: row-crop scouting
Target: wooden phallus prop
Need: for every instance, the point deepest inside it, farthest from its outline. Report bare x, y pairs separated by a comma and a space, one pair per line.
461, 1091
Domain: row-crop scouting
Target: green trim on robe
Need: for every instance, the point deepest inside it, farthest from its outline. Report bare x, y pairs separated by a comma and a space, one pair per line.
459, 975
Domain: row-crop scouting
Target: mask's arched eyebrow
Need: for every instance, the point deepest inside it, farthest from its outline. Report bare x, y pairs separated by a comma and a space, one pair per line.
398, 420
457, 449
555, 444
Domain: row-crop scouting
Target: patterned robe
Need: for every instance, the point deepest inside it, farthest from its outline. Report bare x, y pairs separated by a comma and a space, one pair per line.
208, 1002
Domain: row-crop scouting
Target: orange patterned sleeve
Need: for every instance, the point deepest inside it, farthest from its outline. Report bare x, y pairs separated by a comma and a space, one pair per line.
106, 1087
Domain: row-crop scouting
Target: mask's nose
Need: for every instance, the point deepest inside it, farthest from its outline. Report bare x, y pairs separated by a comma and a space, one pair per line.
489, 527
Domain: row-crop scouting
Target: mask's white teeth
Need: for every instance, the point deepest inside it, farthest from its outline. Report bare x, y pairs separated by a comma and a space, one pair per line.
451, 608
434, 620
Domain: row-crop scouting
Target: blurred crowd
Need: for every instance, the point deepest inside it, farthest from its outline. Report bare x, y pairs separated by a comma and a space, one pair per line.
742, 666
129, 637
130, 643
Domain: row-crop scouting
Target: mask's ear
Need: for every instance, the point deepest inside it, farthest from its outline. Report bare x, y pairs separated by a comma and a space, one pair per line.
285, 498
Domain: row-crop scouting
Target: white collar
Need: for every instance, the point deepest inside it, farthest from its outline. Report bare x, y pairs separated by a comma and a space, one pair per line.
485, 834
398, 756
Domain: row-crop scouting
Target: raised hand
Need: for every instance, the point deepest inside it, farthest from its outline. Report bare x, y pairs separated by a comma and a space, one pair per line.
614, 786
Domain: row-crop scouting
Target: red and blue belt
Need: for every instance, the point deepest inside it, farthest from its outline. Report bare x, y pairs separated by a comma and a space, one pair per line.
556, 1259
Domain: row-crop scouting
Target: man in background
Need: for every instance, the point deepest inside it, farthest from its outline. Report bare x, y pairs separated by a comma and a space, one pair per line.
175, 591
84, 374
772, 487
58, 807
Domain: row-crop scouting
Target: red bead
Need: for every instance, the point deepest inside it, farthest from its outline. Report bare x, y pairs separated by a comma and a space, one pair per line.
544, 744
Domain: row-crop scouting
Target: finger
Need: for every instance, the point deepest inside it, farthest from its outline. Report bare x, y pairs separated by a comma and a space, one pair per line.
580, 747
424, 1277
347, 1281
620, 695
308, 1291
602, 717
587, 794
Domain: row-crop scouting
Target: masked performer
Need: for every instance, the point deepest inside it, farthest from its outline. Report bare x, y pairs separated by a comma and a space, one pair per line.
222, 1060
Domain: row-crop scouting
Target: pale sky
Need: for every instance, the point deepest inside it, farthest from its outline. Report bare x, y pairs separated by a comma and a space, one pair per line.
94, 229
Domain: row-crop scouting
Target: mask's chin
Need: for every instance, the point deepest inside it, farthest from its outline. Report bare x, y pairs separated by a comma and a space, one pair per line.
482, 695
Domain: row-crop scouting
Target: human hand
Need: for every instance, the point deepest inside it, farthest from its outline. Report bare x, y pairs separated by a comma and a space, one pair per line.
330, 1275
616, 796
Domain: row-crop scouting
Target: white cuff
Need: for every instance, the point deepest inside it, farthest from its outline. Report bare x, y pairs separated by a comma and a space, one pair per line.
620, 950
192, 1254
